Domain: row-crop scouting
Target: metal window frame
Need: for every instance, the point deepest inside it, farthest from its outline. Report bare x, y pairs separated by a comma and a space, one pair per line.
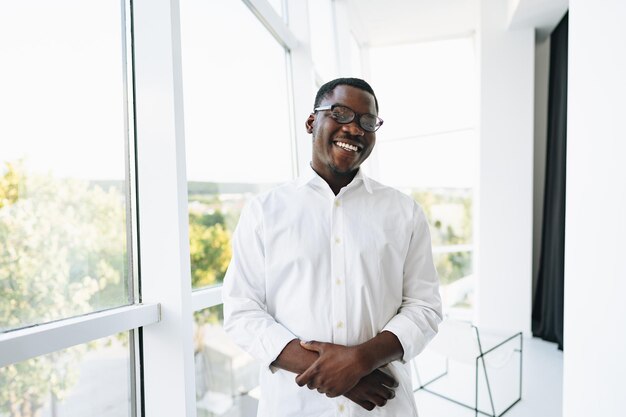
29, 342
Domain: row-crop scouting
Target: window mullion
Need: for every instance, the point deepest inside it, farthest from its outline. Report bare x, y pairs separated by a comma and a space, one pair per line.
29, 342
206, 297
168, 367
273, 22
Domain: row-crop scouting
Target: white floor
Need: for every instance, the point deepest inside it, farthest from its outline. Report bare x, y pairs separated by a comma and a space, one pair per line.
541, 387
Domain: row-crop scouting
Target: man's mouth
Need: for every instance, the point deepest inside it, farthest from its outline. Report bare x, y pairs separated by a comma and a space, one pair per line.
347, 146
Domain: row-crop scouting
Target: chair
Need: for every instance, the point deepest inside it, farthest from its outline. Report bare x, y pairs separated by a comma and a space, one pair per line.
461, 342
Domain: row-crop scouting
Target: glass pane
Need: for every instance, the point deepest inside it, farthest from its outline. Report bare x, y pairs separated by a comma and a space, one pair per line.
428, 146
236, 124
85, 380
227, 378
425, 87
441, 160
62, 160
456, 278
449, 214
322, 39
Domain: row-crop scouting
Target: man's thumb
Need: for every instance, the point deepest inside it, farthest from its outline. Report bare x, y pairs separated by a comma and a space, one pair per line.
310, 345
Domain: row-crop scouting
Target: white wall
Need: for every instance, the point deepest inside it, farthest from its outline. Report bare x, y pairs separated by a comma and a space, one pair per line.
595, 269
504, 255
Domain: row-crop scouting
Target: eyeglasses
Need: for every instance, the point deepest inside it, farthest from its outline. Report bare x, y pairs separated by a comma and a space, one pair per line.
345, 115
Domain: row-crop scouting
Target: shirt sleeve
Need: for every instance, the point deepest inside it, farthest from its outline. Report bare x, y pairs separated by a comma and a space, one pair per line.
246, 318
419, 315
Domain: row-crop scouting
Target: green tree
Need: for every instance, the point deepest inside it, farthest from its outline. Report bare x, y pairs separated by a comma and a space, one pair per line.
210, 250
209, 246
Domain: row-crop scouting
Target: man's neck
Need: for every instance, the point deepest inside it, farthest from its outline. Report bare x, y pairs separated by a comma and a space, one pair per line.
336, 180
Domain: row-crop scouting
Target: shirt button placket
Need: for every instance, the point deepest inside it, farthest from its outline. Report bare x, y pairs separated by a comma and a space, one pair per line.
338, 270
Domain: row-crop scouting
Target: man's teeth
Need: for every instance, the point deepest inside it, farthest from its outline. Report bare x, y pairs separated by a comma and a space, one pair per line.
347, 146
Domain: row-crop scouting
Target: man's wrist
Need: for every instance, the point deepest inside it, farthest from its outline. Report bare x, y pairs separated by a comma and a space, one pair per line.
294, 358
379, 351
365, 361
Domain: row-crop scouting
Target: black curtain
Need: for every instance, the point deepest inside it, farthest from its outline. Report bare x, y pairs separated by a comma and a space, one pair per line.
547, 319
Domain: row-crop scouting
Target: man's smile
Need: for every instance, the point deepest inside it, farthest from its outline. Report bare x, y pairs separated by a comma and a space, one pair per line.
347, 146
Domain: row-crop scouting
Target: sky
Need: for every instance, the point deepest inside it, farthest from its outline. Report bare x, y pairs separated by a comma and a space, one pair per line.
62, 97
61, 87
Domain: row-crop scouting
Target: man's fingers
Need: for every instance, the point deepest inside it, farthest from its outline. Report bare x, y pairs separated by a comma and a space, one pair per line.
386, 379
386, 393
379, 401
312, 345
302, 379
367, 405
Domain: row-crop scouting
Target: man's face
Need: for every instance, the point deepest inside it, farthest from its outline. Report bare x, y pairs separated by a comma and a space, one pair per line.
331, 156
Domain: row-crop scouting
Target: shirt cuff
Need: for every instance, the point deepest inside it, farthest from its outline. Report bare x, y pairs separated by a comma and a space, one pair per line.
408, 333
271, 344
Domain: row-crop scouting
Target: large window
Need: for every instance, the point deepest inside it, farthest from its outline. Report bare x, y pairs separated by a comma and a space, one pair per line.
237, 133
428, 148
238, 143
110, 263
62, 155
90, 379
65, 238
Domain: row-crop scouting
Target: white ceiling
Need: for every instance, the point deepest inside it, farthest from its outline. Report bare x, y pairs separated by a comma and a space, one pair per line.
385, 22
388, 22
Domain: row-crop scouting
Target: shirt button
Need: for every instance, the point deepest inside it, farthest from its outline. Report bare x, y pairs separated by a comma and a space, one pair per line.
337, 203
337, 240
338, 281
339, 324
342, 408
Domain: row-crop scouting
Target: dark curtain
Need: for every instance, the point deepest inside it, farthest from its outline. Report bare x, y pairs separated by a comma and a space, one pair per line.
547, 320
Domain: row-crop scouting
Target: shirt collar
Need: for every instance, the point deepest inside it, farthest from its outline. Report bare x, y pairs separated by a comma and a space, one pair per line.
309, 176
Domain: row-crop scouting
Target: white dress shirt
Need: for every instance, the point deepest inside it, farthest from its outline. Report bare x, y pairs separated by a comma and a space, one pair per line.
311, 265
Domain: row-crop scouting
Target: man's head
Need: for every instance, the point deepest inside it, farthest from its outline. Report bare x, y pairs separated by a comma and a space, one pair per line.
353, 82
343, 125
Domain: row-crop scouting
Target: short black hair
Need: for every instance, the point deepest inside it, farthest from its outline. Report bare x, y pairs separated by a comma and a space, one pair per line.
328, 88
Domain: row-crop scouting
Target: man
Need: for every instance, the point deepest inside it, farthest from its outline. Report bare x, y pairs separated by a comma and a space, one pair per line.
332, 285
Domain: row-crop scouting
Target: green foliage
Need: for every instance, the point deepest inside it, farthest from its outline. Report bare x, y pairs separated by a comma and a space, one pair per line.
210, 250
452, 226
449, 214
9, 185
62, 254
209, 246
452, 266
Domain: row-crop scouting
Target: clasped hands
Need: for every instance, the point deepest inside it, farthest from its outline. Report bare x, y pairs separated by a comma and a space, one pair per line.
346, 370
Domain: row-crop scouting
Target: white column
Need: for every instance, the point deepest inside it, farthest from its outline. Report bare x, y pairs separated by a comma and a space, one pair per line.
504, 206
169, 379
594, 360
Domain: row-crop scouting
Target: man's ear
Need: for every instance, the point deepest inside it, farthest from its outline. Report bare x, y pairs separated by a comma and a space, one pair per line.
309, 123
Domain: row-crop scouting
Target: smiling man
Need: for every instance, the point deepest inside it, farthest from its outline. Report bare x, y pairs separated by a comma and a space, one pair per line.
332, 284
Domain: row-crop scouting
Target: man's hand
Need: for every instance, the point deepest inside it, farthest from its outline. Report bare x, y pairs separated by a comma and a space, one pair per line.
336, 371
373, 390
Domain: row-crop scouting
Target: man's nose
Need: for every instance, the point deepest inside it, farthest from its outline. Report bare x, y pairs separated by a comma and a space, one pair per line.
353, 128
